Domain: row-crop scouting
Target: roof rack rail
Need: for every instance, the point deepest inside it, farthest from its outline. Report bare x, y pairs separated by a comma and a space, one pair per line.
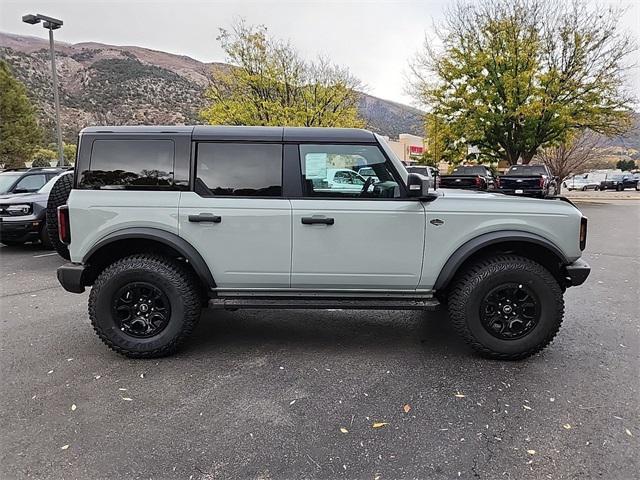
15, 169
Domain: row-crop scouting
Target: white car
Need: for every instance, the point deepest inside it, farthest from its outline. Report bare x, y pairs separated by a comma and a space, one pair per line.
580, 182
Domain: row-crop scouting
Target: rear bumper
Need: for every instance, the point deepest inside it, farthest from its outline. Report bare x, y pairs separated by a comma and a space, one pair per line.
525, 192
71, 277
577, 272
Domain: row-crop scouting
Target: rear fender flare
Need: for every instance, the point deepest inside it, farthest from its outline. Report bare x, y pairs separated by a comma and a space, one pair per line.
180, 245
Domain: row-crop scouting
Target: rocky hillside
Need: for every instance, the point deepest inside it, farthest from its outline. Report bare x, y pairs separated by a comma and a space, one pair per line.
105, 84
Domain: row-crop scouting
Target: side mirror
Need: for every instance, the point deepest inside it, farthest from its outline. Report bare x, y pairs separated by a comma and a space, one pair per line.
417, 186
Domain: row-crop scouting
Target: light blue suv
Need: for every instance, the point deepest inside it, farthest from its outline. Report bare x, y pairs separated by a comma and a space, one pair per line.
162, 221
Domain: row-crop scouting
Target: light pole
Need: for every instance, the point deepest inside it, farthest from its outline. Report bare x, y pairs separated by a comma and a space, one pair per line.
51, 24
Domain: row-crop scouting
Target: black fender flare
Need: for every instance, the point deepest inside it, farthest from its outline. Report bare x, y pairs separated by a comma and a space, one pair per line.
179, 244
467, 249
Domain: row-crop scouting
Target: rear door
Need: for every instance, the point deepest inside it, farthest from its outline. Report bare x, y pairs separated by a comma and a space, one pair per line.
236, 216
368, 238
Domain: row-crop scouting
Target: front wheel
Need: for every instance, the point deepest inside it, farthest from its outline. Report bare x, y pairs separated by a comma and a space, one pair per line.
144, 306
506, 307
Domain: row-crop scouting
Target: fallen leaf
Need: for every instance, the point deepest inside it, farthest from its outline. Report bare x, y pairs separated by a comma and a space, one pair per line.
73, 407
97, 377
126, 399
526, 407
459, 395
344, 430
292, 401
122, 389
64, 447
628, 432
406, 408
531, 452
142, 375
566, 426
380, 424
49, 372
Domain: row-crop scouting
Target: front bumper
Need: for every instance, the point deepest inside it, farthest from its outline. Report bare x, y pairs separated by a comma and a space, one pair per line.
19, 230
577, 272
71, 277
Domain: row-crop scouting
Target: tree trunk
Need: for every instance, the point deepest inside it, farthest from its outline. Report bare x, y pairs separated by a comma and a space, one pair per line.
527, 156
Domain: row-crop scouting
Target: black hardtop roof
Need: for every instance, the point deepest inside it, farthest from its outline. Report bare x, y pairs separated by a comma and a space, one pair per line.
246, 133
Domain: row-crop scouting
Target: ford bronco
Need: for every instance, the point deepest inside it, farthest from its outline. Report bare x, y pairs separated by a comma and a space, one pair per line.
161, 221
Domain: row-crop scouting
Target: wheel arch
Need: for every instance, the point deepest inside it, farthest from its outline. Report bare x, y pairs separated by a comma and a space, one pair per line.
526, 244
133, 240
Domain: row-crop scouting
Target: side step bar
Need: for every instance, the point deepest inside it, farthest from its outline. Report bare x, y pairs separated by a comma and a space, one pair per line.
232, 303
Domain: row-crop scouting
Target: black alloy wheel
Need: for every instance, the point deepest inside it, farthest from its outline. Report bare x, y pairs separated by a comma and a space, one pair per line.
510, 311
142, 310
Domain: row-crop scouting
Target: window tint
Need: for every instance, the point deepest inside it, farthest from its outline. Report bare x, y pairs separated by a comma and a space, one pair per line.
334, 171
239, 169
31, 183
130, 164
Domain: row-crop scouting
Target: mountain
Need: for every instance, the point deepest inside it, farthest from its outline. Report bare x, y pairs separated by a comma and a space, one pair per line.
115, 85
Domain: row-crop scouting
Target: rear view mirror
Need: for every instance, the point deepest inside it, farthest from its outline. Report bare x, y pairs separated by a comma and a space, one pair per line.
417, 185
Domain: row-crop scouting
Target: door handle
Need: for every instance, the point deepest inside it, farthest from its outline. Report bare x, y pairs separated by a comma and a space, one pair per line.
205, 217
320, 220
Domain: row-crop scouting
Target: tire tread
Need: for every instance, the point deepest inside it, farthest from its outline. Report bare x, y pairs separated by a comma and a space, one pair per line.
185, 283
476, 273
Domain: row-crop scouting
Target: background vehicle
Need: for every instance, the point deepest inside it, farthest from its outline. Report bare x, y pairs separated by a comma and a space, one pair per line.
474, 177
366, 172
23, 215
528, 180
428, 172
248, 222
26, 180
620, 181
580, 182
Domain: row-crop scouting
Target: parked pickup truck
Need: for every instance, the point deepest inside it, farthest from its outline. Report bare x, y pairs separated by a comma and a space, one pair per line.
162, 221
528, 180
477, 177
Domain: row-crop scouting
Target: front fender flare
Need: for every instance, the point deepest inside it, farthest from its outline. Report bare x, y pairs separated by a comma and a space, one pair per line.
467, 249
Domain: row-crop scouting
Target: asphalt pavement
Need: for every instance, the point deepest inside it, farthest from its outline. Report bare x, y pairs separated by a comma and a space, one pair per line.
296, 394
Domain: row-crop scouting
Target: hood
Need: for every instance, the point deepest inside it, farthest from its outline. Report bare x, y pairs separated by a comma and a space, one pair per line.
13, 198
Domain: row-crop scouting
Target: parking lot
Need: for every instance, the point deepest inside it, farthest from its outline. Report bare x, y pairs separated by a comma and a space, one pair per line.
295, 394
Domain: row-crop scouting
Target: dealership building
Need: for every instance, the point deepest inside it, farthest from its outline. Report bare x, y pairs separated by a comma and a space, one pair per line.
409, 148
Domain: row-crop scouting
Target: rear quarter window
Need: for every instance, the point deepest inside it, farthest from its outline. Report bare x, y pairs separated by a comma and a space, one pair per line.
130, 164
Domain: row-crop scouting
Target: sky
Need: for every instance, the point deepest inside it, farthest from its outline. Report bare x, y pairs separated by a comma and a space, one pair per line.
375, 39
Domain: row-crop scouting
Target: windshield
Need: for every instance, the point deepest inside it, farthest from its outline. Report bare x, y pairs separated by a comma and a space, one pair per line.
7, 179
46, 188
469, 171
419, 170
526, 170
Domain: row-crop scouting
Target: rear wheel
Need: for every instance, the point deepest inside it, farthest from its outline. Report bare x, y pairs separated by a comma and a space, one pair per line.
506, 307
144, 306
57, 197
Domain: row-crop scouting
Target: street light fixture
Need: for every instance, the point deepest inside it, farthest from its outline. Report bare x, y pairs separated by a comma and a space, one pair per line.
51, 24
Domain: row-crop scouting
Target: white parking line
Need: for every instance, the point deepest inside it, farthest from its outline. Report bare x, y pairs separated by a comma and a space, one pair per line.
45, 255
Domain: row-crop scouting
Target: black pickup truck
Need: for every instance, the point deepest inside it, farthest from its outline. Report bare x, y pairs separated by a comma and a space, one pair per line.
528, 180
476, 177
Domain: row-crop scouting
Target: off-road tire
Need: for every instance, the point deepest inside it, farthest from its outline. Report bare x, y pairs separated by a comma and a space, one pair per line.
176, 282
472, 285
57, 197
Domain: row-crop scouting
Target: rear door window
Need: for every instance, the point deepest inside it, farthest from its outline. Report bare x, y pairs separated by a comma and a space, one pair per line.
130, 164
239, 169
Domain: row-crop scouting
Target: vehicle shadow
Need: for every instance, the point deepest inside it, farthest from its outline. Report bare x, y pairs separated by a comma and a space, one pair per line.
325, 330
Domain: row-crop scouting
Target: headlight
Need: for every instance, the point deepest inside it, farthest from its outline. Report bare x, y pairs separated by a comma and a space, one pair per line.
21, 209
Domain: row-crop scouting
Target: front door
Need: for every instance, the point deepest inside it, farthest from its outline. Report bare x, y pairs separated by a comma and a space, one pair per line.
345, 238
236, 216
